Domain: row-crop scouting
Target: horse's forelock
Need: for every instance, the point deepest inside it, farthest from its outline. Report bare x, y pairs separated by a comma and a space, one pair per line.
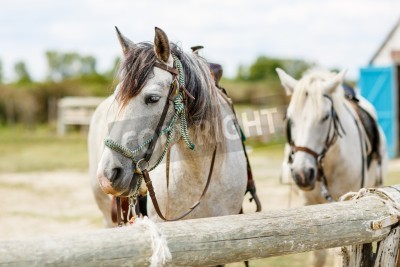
310, 86
137, 68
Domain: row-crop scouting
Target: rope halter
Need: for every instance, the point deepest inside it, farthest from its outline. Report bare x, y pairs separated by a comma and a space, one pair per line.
178, 88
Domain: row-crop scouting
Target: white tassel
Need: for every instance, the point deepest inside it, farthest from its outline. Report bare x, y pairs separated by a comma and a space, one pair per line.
161, 254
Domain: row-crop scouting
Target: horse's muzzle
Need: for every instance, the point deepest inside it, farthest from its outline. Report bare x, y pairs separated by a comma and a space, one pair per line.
117, 184
305, 178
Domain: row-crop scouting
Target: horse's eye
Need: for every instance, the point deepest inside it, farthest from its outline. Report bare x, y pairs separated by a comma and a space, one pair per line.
325, 117
152, 99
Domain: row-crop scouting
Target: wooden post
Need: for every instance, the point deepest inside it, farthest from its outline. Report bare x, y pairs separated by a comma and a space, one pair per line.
211, 241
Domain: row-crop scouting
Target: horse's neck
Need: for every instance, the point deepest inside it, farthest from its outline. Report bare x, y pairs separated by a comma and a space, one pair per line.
192, 165
343, 160
198, 161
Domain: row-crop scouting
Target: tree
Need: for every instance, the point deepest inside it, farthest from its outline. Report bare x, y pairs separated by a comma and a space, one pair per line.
242, 73
113, 72
264, 68
68, 65
296, 67
1, 72
22, 72
88, 65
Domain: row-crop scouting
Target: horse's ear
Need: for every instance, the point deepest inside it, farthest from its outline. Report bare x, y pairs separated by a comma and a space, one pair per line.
330, 85
287, 81
161, 45
126, 44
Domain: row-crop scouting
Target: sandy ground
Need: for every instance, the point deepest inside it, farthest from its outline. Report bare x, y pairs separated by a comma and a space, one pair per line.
47, 203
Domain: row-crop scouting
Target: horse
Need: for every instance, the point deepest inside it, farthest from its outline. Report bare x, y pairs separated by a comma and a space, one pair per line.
167, 117
329, 152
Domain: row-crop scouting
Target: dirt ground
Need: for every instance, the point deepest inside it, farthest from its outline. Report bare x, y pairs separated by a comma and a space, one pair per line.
46, 203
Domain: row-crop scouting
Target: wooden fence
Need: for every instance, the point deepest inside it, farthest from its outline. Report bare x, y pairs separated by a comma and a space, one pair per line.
218, 240
75, 111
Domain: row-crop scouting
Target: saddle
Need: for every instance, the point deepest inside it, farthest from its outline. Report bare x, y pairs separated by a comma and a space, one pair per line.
369, 124
215, 69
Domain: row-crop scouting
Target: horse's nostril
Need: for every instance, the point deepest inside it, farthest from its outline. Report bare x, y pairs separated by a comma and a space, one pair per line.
311, 173
116, 173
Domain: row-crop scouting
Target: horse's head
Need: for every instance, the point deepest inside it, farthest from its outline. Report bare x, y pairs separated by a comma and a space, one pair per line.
141, 96
159, 86
312, 123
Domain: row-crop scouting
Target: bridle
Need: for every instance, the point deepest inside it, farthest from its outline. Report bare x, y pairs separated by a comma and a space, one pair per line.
319, 157
177, 94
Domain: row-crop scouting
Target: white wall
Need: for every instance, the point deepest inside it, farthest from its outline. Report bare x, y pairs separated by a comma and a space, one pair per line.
384, 57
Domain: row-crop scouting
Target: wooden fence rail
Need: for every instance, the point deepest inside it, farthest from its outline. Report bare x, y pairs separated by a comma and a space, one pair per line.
212, 241
76, 111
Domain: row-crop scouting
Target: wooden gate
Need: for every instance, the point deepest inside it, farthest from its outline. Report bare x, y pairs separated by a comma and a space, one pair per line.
378, 85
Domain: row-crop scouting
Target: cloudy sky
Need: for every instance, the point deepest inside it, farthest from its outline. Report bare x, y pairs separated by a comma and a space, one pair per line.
332, 33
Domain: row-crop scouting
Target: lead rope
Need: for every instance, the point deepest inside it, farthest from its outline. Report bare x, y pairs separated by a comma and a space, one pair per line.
169, 131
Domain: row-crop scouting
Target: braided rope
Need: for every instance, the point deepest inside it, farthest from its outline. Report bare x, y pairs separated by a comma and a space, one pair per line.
180, 70
179, 107
119, 148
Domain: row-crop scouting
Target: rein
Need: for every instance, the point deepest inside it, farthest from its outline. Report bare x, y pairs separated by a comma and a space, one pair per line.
177, 93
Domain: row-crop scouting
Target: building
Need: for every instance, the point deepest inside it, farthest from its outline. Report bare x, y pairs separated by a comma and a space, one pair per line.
379, 83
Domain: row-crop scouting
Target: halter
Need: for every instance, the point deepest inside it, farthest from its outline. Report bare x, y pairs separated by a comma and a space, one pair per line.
329, 141
177, 93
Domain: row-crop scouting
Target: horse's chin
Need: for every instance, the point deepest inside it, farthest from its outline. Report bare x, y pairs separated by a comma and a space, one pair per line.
306, 187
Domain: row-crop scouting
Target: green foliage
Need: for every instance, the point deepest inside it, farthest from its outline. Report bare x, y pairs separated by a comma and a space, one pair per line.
1, 72
266, 92
67, 65
114, 70
70, 74
22, 72
73, 74
264, 68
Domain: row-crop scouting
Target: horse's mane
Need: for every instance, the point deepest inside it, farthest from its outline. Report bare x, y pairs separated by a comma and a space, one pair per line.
137, 68
310, 86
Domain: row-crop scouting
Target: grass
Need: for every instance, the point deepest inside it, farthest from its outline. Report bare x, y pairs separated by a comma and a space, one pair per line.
41, 149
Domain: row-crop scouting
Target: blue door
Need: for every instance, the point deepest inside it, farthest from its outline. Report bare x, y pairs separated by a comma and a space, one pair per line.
378, 85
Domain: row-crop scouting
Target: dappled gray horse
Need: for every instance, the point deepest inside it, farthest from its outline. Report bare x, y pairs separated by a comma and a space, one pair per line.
168, 119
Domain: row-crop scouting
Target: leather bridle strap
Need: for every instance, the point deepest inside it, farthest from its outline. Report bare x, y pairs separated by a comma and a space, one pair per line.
152, 194
328, 141
150, 149
306, 150
171, 70
119, 211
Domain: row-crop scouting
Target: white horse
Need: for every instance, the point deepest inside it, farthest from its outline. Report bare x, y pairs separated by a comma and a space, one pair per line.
328, 152
130, 116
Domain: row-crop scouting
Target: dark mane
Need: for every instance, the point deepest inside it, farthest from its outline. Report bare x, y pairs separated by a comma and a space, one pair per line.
137, 69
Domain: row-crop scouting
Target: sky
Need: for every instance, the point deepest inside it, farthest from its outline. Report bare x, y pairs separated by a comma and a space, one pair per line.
331, 33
